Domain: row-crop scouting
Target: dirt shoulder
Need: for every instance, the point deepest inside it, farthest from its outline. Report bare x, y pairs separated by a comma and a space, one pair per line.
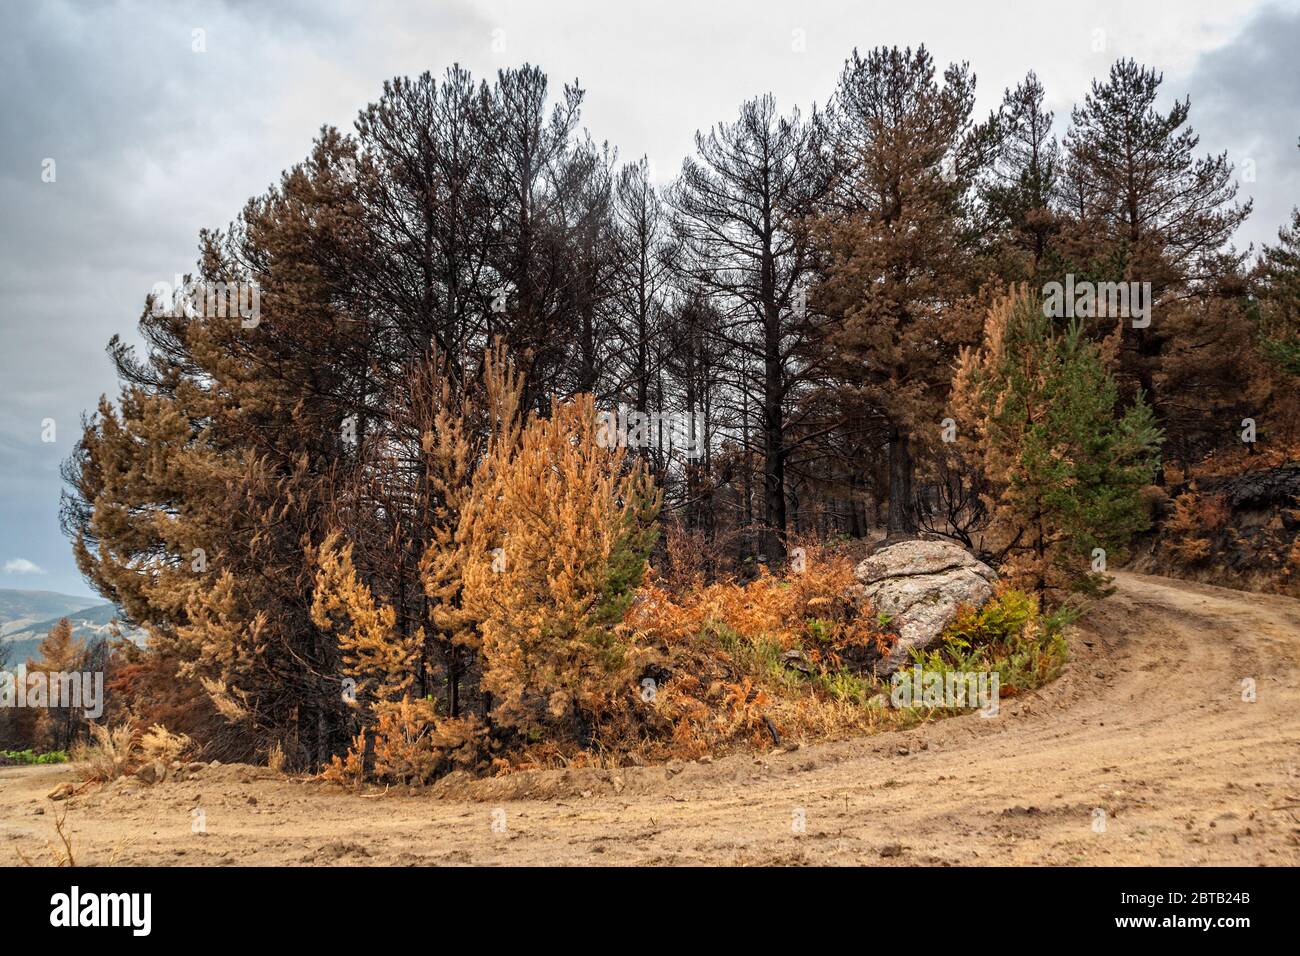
1147, 724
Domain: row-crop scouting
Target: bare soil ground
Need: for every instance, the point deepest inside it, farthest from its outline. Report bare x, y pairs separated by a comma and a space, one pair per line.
1147, 724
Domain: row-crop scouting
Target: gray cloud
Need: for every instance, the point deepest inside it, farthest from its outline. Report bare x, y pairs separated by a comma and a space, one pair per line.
153, 141
1246, 99
150, 141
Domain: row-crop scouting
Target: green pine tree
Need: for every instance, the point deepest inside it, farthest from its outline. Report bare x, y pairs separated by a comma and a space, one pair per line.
1066, 470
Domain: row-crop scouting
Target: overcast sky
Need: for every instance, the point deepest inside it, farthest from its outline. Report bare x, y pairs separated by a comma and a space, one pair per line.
153, 139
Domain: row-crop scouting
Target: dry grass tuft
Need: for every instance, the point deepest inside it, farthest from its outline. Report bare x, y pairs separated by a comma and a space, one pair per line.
58, 854
159, 743
275, 758
112, 753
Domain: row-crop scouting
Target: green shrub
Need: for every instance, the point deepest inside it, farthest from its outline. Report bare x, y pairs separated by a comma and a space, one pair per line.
29, 757
1007, 635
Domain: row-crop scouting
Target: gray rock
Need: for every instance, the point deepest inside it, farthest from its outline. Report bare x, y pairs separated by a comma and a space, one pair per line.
153, 772
920, 585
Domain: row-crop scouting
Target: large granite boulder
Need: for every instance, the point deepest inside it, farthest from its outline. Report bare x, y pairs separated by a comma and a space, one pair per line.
919, 585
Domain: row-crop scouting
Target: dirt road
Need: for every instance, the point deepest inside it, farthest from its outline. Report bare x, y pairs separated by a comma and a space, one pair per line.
1144, 752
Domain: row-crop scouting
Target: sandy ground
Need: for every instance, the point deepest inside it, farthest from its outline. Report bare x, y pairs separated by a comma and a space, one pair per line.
1147, 726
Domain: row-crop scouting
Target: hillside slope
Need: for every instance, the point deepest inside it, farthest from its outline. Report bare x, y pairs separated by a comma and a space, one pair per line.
98, 622
21, 609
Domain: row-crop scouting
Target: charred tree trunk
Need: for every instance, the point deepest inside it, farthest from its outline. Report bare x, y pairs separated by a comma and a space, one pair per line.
902, 518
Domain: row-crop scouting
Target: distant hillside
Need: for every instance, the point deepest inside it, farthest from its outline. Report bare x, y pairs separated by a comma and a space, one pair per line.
22, 609
18, 652
90, 620
93, 621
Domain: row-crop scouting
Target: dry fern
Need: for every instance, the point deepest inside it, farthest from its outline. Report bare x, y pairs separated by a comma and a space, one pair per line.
348, 770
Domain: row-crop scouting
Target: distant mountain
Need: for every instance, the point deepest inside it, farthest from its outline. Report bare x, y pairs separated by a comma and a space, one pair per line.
21, 609
22, 632
93, 621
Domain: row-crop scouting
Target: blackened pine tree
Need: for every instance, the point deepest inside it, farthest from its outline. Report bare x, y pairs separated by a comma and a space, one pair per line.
1145, 208
1142, 182
740, 210
1021, 182
640, 287
1278, 292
